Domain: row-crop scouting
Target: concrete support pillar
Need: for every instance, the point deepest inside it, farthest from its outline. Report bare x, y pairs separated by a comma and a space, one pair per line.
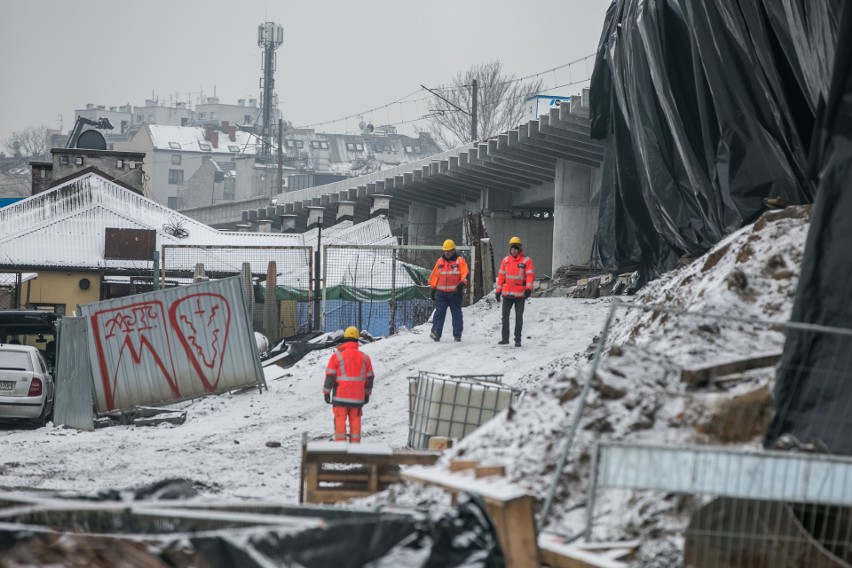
288, 223
315, 214
575, 213
422, 224
380, 205
345, 211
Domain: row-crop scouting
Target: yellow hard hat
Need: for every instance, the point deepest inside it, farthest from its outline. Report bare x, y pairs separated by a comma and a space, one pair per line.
352, 333
515, 241
449, 245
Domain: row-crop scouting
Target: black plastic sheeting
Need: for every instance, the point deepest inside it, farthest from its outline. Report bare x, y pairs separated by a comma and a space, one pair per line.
813, 398
461, 537
706, 108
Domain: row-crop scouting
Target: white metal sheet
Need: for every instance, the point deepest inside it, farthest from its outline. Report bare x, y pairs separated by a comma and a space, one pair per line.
763, 475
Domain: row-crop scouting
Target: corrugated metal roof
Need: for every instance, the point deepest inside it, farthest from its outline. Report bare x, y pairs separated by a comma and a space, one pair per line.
65, 227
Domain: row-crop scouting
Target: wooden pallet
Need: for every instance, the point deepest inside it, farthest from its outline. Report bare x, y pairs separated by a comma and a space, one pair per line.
338, 471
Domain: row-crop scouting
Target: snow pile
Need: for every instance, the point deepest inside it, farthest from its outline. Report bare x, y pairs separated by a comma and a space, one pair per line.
637, 392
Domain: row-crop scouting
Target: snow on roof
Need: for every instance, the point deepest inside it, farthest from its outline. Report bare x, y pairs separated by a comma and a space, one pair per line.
191, 139
65, 227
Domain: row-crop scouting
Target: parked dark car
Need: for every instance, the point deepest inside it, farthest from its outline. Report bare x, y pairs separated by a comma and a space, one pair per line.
31, 327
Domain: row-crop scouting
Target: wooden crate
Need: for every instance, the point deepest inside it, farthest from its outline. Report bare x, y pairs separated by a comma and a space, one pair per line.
337, 471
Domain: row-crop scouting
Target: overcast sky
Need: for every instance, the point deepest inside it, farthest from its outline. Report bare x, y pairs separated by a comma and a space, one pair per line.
339, 57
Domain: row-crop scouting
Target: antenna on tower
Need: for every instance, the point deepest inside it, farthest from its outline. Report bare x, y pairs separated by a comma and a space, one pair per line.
269, 37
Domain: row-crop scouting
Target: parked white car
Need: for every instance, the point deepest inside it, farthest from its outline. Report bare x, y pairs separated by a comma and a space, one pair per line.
26, 385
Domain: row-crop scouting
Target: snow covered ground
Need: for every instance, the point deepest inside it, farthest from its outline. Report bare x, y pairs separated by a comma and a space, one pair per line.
222, 446
637, 394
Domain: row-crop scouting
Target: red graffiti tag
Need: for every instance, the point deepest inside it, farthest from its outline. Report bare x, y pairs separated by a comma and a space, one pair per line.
201, 322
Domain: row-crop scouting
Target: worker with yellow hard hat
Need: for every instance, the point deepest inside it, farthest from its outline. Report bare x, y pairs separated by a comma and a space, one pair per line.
448, 279
348, 385
514, 285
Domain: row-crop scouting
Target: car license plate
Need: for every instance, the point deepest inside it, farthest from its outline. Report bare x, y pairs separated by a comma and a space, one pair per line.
7, 385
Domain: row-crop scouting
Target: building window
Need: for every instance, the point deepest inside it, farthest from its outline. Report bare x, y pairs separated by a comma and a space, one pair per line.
204, 146
119, 164
315, 144
350, 146
409, 150
234, 149
184, 121
212, 115
63, 160
247, 119
42, 173
359, 147
175, 176
151, 118
417, 149
324, 145
289, 143
173, 202
124, 126
78, 161
174, 145
202, 115
175, 159
138, 118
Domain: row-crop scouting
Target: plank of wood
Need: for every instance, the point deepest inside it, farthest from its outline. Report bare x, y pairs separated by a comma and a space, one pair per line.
515, 526
302, 468
373, 483
495, 488
703, 374
335, 495
561, 555
489, 470
459, 465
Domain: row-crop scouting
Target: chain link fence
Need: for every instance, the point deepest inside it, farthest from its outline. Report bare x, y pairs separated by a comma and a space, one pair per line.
290, 267
672, 444
381, 288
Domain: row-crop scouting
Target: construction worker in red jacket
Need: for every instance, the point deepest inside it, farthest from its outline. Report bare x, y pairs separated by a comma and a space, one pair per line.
348, 384
448, 279
515, 285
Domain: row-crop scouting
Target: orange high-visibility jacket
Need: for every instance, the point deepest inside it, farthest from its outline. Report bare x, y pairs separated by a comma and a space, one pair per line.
516, 275
448, 272
349, 375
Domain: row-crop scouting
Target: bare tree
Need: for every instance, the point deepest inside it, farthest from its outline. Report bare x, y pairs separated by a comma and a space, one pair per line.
31, 142
500, 104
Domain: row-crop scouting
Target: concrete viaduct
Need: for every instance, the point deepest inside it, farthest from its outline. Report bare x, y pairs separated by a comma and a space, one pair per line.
539, 181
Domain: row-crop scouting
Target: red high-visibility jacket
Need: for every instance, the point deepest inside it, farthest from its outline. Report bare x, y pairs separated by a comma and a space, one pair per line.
516, 275
448, 273
349, 375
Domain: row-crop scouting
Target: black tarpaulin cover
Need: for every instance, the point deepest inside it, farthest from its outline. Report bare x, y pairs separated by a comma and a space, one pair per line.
706, 109
813, 398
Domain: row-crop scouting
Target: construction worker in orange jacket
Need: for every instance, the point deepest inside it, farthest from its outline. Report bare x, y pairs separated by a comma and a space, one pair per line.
514, 284
448, 279
348, 384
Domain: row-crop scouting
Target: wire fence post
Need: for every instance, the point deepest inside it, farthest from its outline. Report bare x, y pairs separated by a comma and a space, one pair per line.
569, 441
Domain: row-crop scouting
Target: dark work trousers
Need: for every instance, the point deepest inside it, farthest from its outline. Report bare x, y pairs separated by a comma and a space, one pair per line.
442, 302
519, 316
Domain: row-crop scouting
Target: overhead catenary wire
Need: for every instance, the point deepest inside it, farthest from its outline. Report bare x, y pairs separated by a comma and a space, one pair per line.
407, 98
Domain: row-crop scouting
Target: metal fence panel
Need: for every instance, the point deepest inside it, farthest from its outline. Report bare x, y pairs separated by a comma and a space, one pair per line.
381, 288
293, 286
727, 502
171, 345
74, 395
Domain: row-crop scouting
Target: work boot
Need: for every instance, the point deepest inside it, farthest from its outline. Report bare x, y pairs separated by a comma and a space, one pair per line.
456, 338
503, 342
435, 336
517, 343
